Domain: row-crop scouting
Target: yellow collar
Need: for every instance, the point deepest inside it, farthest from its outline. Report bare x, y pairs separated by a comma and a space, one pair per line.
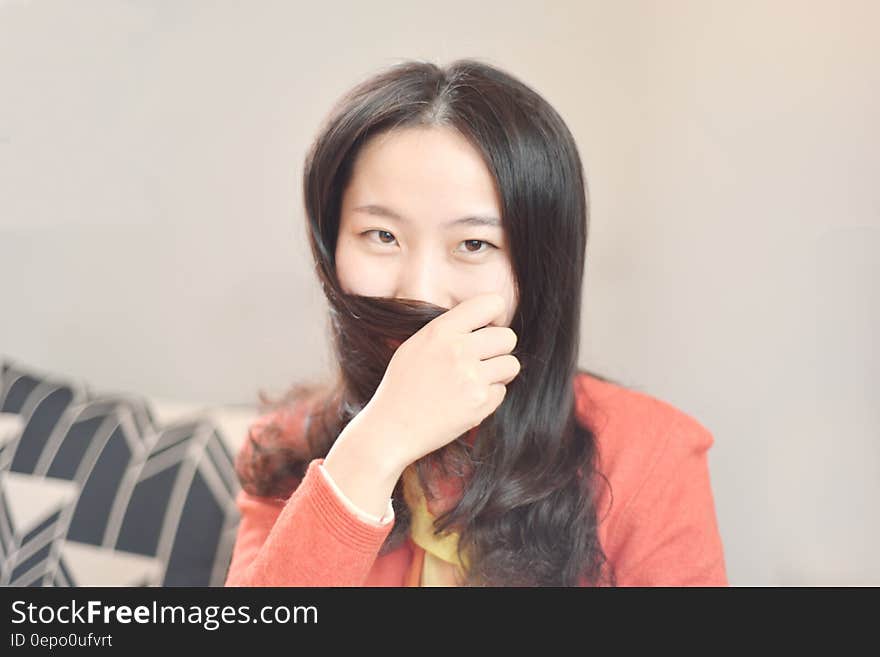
442, 547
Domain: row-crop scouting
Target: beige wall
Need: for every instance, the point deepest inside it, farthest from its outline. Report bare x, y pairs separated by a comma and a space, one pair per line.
151, 227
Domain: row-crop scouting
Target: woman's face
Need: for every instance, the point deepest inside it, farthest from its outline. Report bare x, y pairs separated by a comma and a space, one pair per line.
420, 220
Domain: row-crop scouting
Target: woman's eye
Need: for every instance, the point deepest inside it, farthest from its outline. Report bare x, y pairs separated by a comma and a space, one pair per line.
381, 234
477, 244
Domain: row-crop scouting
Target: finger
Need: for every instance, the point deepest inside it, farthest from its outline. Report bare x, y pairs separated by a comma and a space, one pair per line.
491, 341
475, 313
501, 369
497, 392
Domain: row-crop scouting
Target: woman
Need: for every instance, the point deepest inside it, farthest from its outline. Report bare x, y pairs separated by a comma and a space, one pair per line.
459, 443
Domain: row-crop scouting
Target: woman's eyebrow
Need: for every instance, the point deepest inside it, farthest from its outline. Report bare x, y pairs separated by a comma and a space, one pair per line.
473, 220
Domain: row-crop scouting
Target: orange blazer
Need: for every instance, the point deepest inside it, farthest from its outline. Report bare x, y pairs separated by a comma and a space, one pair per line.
661, 529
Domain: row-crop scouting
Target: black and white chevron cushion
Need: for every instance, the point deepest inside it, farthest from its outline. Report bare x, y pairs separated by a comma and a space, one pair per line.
94, 491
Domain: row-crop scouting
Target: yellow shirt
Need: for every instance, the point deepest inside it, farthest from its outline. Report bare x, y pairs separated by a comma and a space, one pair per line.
440, 563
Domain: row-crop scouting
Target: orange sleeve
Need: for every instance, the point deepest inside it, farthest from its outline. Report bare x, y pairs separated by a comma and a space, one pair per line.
668, 535
311, 539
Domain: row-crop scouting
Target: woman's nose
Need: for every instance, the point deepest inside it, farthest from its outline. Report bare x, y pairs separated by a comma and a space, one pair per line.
422, 280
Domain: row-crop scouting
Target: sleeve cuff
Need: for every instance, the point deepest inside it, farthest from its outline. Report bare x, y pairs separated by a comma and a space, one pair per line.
363, 515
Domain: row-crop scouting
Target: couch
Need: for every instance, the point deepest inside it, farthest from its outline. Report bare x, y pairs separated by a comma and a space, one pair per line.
106, 488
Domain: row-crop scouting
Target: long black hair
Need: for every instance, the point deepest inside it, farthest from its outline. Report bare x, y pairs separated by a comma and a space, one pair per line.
527, 511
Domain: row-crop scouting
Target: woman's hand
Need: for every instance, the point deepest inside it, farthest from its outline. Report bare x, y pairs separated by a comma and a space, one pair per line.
444, 380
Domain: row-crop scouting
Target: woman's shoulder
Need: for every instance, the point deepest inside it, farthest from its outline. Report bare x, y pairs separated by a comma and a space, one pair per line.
656, 514
284, 422
635, 430
273, 438
284, 425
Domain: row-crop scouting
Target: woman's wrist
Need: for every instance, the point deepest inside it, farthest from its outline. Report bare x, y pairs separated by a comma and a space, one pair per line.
364, 465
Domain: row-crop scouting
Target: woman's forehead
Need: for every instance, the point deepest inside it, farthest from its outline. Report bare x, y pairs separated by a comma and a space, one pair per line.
423, 168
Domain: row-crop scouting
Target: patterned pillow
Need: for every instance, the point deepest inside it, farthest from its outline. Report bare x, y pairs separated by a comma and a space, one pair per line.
94, 491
